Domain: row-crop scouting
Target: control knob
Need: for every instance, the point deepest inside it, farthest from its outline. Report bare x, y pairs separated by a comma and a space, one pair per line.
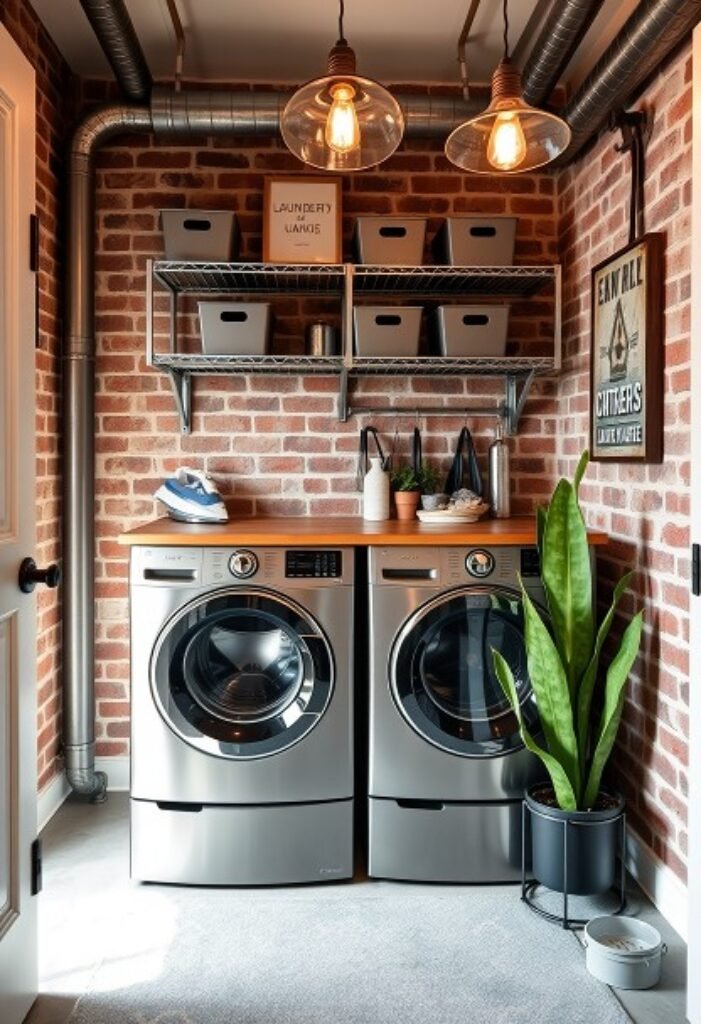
243, 564
479, 563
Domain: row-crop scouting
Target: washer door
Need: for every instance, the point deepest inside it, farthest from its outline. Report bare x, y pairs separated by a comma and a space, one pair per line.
442, 673
242, 673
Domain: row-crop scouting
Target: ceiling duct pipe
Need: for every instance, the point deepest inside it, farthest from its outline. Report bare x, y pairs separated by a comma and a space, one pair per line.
649, 35
78, 366
110, 21
242, 112
552, 50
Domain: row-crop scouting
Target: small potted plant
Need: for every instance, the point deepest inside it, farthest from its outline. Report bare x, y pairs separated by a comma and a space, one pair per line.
564, 669
406, 488
431, 487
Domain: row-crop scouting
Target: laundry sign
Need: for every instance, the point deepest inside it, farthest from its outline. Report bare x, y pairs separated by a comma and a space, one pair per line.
626, 354
302, 220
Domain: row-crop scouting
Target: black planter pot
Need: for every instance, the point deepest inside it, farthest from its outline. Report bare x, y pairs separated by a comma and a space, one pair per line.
592, 839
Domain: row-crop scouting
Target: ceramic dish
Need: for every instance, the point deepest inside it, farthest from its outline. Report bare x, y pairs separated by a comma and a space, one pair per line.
444, 516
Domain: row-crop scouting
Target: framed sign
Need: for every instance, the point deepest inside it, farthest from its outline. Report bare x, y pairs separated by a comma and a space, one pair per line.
627, 369
302, 220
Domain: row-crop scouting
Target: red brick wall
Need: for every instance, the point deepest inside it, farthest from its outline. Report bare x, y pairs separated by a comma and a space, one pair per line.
53, 91
645, 509
275, 444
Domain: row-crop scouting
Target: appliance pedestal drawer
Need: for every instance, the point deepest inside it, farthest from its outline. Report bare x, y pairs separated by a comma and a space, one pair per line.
422, 840
277, 844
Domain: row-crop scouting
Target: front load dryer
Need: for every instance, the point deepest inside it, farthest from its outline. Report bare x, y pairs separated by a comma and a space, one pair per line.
242, 715
447, 768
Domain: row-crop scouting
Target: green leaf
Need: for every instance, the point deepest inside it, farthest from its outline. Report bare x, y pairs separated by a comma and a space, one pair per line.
580, 471
541, 518
551, 693
566, 572
586, 689
614, 695
564, 793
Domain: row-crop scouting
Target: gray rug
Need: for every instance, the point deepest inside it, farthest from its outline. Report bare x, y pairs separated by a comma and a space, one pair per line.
366, 953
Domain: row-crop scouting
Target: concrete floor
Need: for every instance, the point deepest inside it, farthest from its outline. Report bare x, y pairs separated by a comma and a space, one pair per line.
86, 853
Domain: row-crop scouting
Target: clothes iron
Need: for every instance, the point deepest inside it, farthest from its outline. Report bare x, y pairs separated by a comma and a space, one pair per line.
191, 497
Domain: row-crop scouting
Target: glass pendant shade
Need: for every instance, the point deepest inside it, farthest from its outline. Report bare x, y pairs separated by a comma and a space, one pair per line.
342, 122
511, 136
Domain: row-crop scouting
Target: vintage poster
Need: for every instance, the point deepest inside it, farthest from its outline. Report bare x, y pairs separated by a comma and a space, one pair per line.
626, 354
302, 220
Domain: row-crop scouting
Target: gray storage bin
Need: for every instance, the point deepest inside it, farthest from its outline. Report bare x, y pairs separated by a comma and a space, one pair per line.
200, 235
476, 241
235, 328
390, 241
387, 330
472, 330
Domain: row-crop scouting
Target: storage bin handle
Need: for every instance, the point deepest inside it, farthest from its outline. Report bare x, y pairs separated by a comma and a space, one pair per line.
483, 230
388, 320
392, 231
197, 224
233, 316
475, 319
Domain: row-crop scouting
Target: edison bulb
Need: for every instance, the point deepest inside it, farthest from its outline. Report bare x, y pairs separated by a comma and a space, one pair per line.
506, 148
342, 132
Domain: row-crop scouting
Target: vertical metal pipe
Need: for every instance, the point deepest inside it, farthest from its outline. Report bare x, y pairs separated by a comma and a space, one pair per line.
79, 451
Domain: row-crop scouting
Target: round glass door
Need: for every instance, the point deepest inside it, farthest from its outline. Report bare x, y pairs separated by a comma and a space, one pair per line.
242, 673
442, 672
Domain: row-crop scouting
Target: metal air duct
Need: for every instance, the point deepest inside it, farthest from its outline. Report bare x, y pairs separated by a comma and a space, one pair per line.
552, 50
649, 35
110, 21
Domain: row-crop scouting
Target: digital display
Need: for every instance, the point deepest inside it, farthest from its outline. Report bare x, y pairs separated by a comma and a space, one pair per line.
313, 564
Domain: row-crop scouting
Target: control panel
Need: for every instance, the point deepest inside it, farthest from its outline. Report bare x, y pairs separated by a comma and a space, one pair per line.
313, 564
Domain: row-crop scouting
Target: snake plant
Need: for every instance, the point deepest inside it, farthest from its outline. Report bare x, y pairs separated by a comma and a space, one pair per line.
563, 661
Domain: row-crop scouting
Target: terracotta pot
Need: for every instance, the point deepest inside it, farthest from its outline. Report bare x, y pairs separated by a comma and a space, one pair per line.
406, 503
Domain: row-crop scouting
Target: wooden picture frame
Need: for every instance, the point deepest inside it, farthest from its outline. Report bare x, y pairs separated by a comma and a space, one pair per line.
302, 220
627, 355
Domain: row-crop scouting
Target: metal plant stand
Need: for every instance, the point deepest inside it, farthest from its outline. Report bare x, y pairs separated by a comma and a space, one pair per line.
529, 886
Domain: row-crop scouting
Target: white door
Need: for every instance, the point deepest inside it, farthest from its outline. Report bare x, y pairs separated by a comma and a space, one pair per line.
18, 912
694, 925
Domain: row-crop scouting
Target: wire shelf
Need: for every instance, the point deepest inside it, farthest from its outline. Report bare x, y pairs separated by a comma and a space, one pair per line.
481, 366
367, 279
377, 365
250, 277
446, 281
197, 363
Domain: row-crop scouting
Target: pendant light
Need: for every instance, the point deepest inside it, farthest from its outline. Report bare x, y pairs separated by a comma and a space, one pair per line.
342, 122
511, 136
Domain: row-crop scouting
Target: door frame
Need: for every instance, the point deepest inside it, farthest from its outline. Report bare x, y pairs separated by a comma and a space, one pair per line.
694, 882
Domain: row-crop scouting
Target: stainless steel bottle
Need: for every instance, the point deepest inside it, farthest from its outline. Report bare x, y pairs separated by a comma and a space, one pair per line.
499, 480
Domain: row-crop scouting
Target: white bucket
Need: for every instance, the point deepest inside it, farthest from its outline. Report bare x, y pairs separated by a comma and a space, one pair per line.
624, 952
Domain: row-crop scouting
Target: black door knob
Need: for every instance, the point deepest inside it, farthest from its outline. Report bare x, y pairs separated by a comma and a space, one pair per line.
30, 575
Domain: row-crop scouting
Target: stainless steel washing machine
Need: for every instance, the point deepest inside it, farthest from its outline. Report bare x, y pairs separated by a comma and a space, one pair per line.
447, 768
242, 723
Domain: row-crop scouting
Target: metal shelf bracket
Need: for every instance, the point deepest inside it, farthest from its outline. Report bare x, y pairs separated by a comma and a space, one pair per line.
514, 400
181, 383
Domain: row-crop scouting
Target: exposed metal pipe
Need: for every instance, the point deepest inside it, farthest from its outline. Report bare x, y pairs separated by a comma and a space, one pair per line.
552, 50
112, 25
649, 35
79, 450
257, 113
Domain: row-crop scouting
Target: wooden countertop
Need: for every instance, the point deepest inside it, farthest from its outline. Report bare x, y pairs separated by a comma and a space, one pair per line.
336, 531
